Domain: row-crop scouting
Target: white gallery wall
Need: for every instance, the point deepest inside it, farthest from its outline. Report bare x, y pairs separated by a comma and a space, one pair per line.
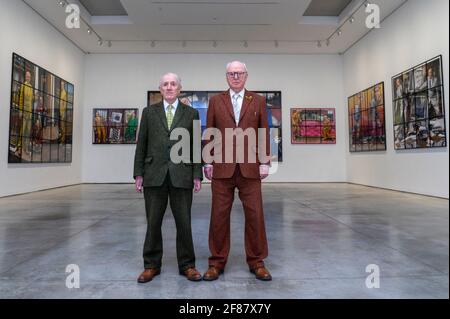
122, 80
417, 32
24, 32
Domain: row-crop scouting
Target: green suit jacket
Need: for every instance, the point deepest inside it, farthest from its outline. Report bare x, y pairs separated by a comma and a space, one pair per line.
152, 158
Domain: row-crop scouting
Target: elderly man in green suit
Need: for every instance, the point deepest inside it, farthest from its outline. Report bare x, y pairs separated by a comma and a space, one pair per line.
165, 179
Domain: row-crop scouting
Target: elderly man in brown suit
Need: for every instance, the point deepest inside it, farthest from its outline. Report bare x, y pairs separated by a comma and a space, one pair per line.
242, 111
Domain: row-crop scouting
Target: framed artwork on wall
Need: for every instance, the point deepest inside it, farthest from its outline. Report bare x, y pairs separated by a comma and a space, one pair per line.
418, 107
366, 118
200, 99
114, 126
313, 126
41, 115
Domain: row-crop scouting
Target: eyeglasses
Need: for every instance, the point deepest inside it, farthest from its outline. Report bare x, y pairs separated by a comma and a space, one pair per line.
235, 74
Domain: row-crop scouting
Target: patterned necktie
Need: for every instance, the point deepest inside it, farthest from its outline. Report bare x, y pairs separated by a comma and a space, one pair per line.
169, 115
237, 111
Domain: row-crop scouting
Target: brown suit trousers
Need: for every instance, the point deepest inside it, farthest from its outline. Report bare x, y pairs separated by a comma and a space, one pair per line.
244, 176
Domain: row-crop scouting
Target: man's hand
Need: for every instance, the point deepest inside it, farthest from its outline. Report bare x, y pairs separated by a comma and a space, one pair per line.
138, 183
197, 185
208, 171
263, 171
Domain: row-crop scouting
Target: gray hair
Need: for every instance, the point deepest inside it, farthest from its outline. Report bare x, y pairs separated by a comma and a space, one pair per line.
242, 63
178, 79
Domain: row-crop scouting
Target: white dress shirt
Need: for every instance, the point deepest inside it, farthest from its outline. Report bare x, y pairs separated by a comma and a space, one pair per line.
240, 99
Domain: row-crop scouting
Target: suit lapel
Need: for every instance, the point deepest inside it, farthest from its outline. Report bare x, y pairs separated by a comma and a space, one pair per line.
245, 104
162, 115
227, 100
181, 108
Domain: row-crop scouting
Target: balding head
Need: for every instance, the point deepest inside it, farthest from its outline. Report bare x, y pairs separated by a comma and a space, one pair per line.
234, 64
170, 86
171, 75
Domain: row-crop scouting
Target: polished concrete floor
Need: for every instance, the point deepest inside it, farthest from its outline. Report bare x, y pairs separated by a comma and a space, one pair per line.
321, 239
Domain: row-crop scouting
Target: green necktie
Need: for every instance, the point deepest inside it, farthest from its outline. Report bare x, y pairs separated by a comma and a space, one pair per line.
169, 115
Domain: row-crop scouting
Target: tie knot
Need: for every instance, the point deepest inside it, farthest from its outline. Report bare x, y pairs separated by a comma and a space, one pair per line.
170, 107
235, 96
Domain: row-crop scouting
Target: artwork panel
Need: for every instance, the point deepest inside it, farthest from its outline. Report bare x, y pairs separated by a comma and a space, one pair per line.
435, 103
420, 78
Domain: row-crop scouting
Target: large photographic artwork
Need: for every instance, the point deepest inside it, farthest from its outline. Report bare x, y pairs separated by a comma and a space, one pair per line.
199, 100
41, 115
366, 118
418, 107
114, 126
313, 126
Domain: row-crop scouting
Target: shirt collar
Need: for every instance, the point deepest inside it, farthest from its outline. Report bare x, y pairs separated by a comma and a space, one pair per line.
174, 104
241, 93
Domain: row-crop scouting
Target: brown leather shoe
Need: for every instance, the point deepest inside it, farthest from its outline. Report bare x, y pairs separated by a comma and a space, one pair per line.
212, 273
191, 274
261, 273
148, 274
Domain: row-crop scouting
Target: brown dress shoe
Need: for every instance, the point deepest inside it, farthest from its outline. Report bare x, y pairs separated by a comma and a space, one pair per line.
148, 274
261, 273
212, 273
191, 274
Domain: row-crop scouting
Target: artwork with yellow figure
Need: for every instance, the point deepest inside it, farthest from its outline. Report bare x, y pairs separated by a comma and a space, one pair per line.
26, 108
100, 128
295, 118
326, 128
41, 121
62, 114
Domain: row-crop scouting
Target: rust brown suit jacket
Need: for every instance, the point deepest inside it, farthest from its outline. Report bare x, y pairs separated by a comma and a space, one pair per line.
253, 115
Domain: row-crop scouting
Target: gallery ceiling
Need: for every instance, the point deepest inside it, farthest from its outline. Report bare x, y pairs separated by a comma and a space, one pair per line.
212, 26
